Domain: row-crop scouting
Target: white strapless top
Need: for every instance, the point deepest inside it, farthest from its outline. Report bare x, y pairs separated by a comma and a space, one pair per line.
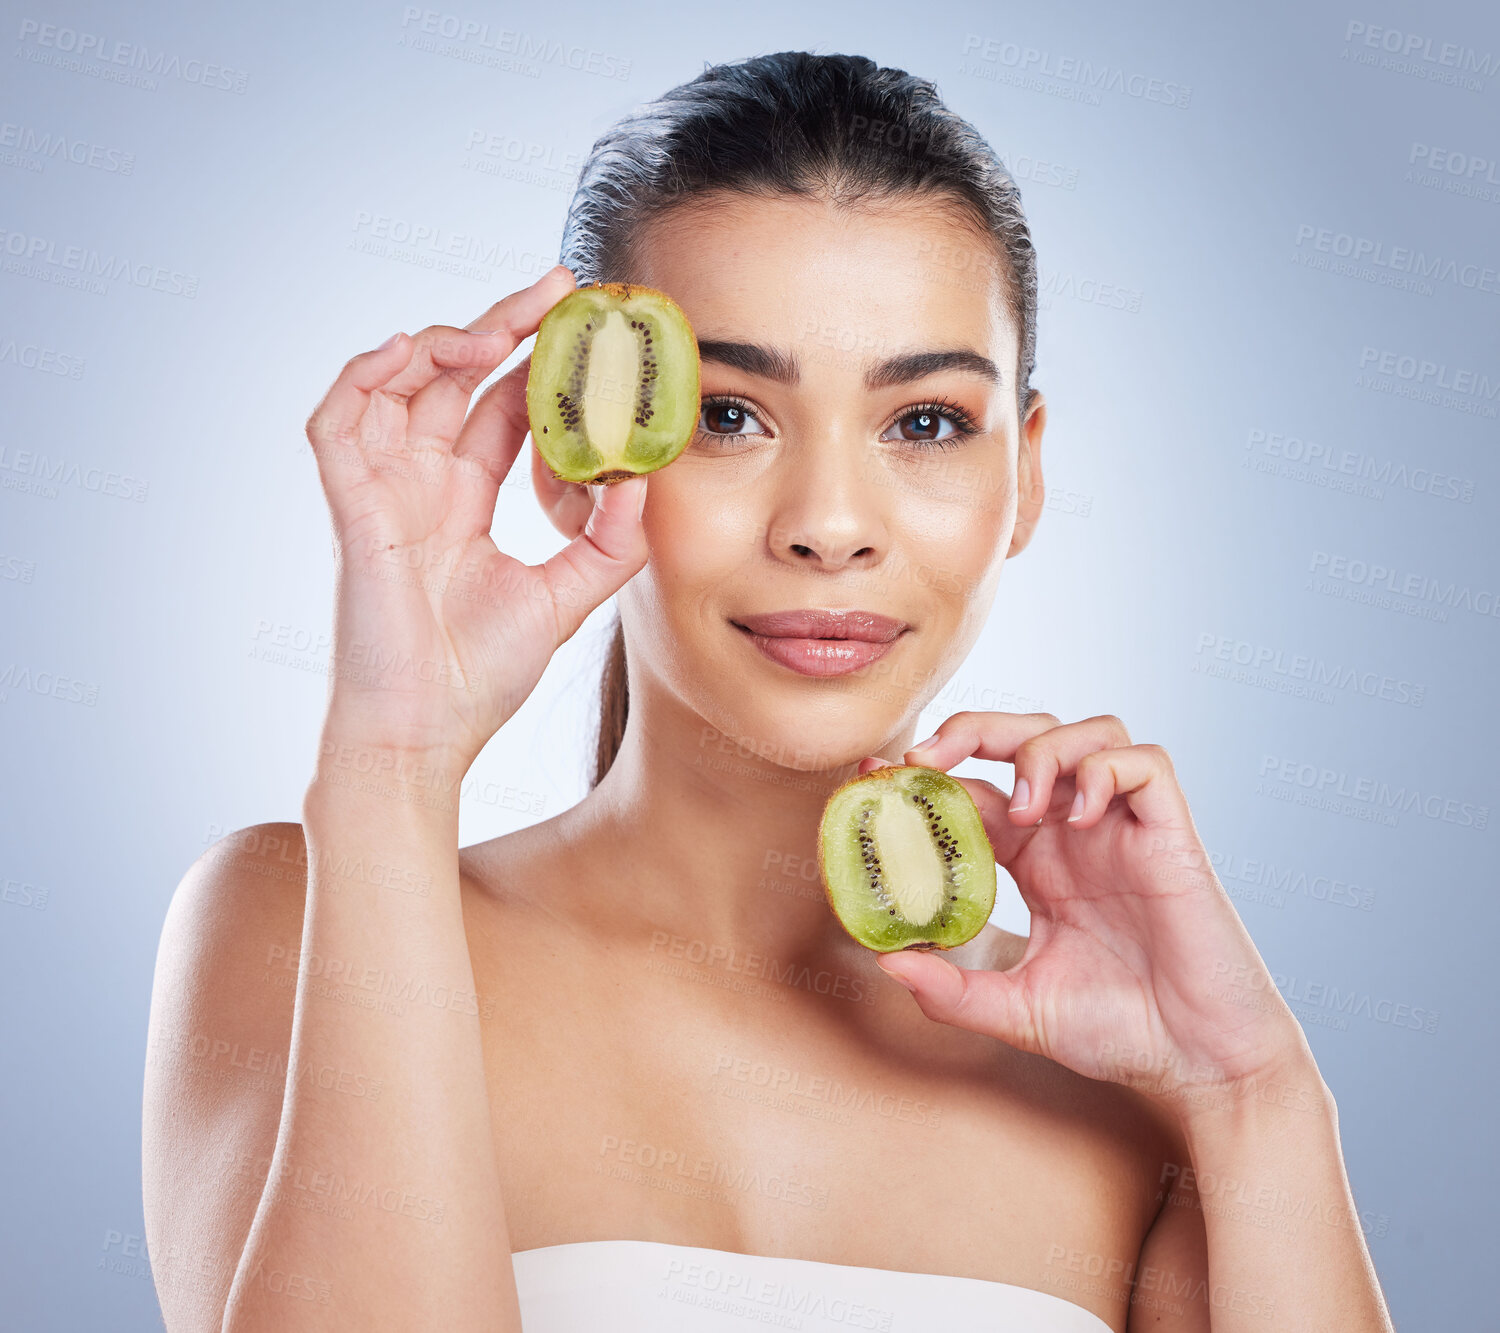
647, 1286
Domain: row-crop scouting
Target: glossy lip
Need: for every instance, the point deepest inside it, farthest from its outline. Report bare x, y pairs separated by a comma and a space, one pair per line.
822, 643
865, 626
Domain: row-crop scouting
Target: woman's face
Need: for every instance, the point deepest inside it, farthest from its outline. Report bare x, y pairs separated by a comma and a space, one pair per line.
838, 465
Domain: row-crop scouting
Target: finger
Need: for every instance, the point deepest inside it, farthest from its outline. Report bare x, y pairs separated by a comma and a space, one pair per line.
338, 429
447, 365
1043, 759
597, 562
519, 314
993, 1003
1143, 774
1006, 838
450, 363
568, 503
488, 443
336, 419
979, 736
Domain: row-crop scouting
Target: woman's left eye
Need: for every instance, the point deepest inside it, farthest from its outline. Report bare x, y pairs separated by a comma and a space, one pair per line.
927, 426
725, 416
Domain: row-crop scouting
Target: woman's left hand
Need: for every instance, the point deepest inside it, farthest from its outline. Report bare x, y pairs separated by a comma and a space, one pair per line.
1138, 969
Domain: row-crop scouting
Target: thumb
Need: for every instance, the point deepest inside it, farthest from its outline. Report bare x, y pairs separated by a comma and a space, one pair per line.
601, 559
993, 1003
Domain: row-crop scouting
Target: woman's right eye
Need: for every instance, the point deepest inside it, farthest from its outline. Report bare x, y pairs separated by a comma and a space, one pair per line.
727, 416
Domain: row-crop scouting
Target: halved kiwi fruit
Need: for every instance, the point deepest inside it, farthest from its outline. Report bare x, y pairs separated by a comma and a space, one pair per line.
613, 387
905, 860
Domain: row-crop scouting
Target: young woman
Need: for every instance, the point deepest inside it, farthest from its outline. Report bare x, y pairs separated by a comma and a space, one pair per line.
623, 1069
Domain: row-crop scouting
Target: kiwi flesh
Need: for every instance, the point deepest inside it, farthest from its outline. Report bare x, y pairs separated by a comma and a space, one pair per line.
905, 860
613, 387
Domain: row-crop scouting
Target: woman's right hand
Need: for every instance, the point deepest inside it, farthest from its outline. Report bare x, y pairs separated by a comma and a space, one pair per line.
439, 636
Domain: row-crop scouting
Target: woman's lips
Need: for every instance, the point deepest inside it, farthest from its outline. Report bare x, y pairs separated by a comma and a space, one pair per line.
820, 657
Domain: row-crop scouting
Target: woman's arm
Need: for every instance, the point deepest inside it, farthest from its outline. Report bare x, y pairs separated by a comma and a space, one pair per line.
382, 1211
1139, 972
1257, 1219
1286, 1247
394, 1202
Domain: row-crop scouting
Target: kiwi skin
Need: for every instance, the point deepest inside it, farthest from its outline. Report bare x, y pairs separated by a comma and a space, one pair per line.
886, 772
622, 291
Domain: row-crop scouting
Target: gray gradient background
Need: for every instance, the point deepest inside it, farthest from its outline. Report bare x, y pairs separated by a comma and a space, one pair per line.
185, 723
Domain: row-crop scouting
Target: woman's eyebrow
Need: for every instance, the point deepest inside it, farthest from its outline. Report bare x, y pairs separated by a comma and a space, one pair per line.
773, 364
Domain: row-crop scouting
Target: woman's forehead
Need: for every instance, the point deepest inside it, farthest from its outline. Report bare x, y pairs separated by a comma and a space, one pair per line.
870, 283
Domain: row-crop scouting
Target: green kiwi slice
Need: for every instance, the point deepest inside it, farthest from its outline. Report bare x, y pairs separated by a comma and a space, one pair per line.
905, 860
613, 387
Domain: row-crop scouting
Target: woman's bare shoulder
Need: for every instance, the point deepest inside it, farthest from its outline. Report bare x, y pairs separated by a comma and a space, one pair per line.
218, 1038
247, 890
230, 939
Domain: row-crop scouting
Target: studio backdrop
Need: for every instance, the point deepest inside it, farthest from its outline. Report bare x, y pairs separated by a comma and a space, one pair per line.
1269, 244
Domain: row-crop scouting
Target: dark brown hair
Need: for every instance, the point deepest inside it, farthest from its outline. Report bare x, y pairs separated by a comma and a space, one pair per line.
793, 123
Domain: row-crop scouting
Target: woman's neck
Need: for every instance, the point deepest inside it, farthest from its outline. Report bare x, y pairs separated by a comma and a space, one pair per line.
694, 833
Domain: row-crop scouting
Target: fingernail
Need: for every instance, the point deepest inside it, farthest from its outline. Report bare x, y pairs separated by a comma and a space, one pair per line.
389, 342
930, 741
640, 507
1077, 808
1021, 797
